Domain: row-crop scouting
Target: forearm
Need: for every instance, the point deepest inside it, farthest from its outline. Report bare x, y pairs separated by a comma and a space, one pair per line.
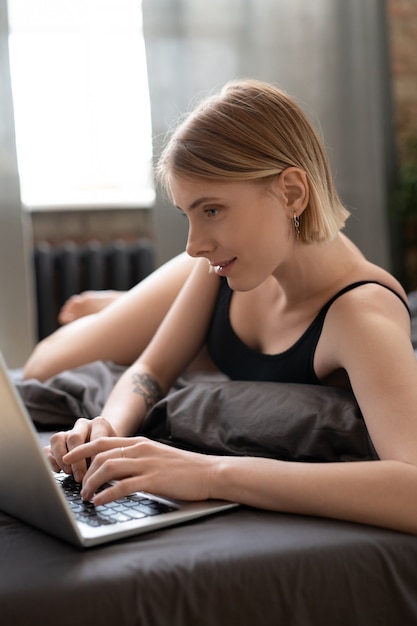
379, 493
130, 400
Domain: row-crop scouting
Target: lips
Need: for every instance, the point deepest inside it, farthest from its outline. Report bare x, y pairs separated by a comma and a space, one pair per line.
222, 267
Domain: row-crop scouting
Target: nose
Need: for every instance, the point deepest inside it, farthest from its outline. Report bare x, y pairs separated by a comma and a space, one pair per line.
197, 244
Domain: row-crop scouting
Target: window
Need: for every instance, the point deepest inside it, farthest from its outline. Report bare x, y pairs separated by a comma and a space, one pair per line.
81, 103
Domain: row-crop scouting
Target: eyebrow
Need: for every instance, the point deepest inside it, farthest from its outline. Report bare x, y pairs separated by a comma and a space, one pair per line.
199, 201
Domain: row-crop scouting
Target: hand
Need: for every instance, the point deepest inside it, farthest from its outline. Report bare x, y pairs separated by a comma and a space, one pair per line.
61, 443
139, 464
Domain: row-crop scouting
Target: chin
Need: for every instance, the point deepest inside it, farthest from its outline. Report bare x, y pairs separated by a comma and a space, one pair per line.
243, 284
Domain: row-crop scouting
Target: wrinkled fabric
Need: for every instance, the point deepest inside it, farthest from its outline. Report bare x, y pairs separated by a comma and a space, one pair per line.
287, 421
60, 400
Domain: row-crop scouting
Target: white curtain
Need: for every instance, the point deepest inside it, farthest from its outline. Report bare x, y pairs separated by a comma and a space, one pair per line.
329, 54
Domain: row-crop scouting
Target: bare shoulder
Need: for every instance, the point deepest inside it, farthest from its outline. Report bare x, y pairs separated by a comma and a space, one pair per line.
378, 290
365, 323
372, 307
367, 271
385, 297
385, 278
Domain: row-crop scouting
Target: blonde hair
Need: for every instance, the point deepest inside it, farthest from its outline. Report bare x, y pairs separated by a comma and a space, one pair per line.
252, 131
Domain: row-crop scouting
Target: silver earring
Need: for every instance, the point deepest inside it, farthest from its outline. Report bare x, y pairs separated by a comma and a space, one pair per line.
296, 220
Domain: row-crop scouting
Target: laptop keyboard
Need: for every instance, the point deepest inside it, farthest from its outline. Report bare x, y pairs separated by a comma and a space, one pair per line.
134, 506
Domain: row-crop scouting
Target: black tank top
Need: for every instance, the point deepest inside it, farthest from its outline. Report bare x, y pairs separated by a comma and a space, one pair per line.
296, 365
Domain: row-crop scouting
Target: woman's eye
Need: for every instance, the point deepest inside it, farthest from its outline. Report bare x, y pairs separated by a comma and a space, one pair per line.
211, 212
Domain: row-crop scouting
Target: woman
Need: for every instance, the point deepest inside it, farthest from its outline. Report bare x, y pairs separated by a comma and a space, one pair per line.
276, 293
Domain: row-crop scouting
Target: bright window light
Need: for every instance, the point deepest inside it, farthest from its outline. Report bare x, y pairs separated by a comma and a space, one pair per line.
81, 103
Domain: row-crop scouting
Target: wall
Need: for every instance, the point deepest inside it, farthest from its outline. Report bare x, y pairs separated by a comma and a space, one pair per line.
82, 225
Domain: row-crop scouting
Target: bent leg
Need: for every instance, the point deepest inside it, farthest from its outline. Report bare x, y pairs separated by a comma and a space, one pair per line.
119, 332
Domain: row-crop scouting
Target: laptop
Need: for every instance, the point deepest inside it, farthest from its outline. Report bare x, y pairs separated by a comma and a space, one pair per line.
32, 492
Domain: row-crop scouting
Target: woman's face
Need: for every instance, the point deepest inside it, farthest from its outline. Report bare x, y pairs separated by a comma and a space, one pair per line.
242, 228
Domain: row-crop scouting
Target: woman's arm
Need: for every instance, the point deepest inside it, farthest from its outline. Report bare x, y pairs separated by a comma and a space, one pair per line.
120, 332
380, 493
177, 341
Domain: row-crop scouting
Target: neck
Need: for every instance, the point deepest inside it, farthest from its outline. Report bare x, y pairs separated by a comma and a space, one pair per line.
314, 268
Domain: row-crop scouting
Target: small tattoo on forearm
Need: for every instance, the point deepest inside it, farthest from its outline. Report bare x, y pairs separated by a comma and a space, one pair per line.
147, 387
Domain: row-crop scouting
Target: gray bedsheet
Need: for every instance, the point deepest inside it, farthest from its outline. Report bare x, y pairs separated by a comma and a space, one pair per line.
244, 567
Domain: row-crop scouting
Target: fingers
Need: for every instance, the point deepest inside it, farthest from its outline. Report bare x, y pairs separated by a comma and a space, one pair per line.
94, 450
62, 443
119, 489
51, 459
113, 459
111, 468
98, 445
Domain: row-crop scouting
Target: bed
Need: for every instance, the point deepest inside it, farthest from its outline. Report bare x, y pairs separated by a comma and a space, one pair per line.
244, 566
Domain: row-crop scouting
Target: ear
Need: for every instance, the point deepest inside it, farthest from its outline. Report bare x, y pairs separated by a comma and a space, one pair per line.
294, 189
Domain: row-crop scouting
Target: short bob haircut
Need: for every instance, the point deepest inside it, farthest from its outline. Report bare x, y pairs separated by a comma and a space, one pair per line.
252, 131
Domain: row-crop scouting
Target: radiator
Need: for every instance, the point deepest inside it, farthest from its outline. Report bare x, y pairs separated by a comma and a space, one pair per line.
68, 268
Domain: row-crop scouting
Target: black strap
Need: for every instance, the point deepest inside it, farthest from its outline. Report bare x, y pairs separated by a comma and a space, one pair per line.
359, 284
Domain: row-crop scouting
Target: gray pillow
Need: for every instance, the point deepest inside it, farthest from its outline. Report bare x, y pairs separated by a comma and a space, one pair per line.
60, 400
277, 420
